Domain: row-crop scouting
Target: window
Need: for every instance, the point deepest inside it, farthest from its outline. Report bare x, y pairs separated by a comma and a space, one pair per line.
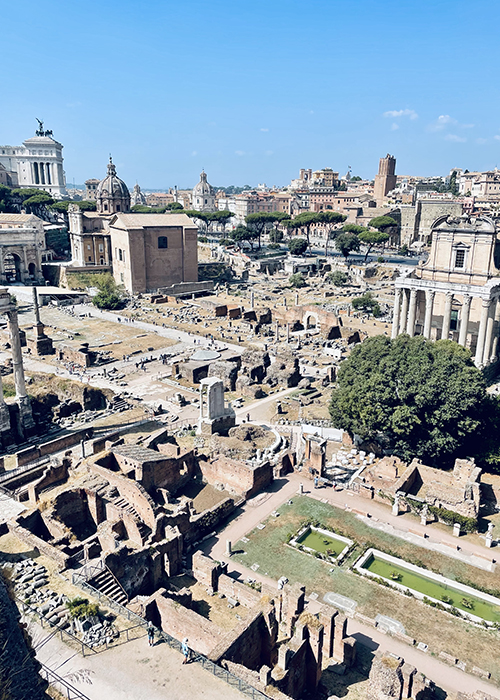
162, 242
460, 258
454, 321
120, 254
88, 246
101, 248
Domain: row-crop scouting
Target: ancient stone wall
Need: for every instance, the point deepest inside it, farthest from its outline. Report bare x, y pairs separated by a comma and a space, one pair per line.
53, 474
180, 622
249, 643
237, 476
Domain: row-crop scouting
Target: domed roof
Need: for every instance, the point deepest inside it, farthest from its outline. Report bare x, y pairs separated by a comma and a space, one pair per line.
112, 187
203, 187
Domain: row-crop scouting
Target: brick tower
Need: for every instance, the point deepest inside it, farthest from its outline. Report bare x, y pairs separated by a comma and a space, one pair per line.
385, 181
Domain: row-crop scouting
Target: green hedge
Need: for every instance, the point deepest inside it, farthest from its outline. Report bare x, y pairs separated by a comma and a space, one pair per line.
450, 518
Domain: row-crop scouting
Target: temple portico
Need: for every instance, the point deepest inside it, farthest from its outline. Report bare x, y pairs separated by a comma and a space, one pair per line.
455, 294
428, 308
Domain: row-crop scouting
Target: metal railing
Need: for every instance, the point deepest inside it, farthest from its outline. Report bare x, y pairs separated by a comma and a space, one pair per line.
173, 643
87, 572
11, 473
61, 684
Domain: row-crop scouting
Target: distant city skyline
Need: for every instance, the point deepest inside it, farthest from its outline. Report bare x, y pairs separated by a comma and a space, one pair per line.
253, 92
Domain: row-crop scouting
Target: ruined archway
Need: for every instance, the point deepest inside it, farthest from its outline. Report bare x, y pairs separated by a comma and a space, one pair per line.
12, 267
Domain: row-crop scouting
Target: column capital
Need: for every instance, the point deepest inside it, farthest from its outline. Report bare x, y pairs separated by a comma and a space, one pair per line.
467, 299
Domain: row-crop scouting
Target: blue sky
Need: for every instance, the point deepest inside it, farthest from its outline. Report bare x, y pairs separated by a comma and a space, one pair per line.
253, 91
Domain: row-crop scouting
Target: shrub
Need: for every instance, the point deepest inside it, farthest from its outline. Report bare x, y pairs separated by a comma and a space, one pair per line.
80, 608
297, 280
338, 278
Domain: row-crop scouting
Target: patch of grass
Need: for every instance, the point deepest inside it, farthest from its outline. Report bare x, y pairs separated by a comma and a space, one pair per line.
442, 632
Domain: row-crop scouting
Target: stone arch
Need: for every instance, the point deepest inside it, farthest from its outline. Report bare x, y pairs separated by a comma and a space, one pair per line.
32, 269
12, 267
311, 320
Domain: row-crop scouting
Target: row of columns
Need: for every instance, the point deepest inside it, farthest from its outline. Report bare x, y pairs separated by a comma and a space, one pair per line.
405, 311
41, 173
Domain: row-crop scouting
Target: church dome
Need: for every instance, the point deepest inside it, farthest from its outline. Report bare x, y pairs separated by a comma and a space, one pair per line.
112, 194
203, 198
203, 187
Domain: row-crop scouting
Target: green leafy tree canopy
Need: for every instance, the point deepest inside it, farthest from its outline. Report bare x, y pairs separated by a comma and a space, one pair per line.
297, 280
297, 246
415, 397
347, 243
382, 222
367, 302
108, 296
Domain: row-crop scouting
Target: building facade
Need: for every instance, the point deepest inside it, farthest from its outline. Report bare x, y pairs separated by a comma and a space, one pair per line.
37, 163
455, 294
91, 189
203, 198
153, 250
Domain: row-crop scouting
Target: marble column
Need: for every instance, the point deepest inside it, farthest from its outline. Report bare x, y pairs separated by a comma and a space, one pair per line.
4, 414
429, 304
494, 348
489, 333
481, 337
447, 316
412, 315
22, 397
404, 312
396, 313
464, 320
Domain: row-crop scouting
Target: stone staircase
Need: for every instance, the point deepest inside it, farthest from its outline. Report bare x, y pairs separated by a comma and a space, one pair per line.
119, 404
123, 504
107, 584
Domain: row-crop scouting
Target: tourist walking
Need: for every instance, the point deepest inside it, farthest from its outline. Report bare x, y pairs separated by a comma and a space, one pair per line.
185, 650
151, 634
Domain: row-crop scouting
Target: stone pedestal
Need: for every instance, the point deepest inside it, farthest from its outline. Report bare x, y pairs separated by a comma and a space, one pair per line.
456, 530
229, 551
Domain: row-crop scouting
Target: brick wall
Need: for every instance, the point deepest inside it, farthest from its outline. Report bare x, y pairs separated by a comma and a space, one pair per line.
237, 476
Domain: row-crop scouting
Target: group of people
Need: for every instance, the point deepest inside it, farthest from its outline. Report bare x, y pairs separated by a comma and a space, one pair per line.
184, 644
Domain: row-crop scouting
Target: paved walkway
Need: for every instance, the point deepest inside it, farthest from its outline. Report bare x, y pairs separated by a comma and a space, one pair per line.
259, 508
131, 671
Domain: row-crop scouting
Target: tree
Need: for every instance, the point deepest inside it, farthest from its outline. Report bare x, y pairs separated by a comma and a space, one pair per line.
7, 200
330, 221
353, 228
453, 186
222, 217
338, 278
37, 204
243, 233
371, 239
297, 246
346, 243
356, 178
199, 215
276, 236
174, 206
381, 223
297, 280
415, 398
367, 302
108, 296
303, 222
261, 221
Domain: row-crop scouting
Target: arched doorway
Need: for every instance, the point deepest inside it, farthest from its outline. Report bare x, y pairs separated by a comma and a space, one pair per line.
12, 267
32, 270
311, 321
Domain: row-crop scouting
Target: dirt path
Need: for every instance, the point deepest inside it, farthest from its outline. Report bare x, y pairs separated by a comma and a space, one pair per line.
131, 671
258, 509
